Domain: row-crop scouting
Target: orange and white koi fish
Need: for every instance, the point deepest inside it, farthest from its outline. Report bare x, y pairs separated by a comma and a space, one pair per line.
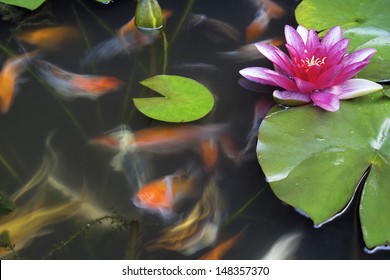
284, 247
209, 153
250, 52
266, 10
127, 40
216, 30
69, 85
162, 139
51, 38
160, 196
9, 75
199, 229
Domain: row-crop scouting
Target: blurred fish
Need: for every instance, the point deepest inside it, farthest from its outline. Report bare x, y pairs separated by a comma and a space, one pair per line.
209, 153
266, 10
127, 40
199, 229
205, 67
221, 249
51, 38
69, 85
23, 228
216, 30
9, 77
250, 52
162, 139
284, 247
160, 196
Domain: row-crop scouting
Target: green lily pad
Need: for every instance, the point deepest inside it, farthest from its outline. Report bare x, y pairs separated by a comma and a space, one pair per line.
30, 4
324, 14
184, 99
361, 35
379, 67
314, 161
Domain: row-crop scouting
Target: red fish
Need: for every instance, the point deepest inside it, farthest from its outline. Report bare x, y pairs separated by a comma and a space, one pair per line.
9, 75
70, 85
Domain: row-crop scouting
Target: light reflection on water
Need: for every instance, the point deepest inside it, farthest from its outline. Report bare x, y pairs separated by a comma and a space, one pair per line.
84, 171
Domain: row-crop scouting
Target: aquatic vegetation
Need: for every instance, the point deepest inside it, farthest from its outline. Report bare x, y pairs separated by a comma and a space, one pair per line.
148, 15
31, 4
316, 71
183, 100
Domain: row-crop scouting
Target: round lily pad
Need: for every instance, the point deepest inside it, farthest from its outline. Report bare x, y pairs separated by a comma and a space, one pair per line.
183, 100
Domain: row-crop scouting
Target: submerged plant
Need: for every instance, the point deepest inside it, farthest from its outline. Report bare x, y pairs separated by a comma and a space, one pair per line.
317, 71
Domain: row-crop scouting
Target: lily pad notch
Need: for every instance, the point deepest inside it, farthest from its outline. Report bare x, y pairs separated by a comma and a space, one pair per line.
183, 99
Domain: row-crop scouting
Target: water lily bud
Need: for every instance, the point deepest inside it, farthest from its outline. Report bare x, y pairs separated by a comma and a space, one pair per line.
148, 15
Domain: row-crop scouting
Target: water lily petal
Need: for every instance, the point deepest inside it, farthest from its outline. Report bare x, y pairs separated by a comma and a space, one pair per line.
290, 98
279, 58
304, 86
357, 56
302, 31
268, 77
337, 52
334, 35
293, 38
312, 43
350, 71
258, 75
326, 78
354, 88
326, 100
294, 54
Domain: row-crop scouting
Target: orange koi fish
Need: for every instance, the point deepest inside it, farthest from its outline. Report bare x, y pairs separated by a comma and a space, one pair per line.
221, 249
9, 75
199, 229
159, 196
70, 85
128, 39
162, 139
51, 38
209, 153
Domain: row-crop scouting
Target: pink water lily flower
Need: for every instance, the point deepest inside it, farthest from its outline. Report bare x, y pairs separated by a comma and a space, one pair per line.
317, 71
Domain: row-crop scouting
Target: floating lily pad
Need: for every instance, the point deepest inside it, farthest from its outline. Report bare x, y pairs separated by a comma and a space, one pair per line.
30, 4
314, 161
184, 99
324, 14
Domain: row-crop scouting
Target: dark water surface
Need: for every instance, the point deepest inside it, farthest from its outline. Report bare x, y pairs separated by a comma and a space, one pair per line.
85, 169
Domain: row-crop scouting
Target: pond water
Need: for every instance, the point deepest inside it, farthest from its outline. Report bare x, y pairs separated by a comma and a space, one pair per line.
44, 144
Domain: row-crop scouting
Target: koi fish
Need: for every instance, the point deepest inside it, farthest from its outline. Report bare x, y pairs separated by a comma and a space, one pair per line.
221, 249
216, 30
23, 228
51, 38
266, 10
127, 40
9, 75
160, 196
162, 139
250, 52
69, 85
209, 153
199, 229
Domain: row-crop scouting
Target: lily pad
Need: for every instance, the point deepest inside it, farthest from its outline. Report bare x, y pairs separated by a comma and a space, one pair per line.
184, 99
361, 35
30, 4
314, 161
324, 14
